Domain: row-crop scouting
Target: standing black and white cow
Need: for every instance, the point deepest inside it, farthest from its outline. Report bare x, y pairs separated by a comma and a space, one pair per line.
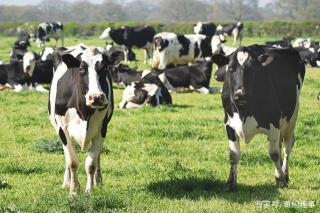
207, 29
80, 108
47, 30
234, 29
261, 95
171, 48
149, 90
129, 37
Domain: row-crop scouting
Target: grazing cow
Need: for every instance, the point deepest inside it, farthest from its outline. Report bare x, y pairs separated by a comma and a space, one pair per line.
170, 48
47, 30
81, 106
195, 77
207, 29
310, 56
123, 74
285, 42
149, 90
234, 30
129, 37
261, 95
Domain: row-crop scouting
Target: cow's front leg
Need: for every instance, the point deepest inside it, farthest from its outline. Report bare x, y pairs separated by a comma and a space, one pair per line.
67, 178
274, 152
72, 162
234, 156
145, 56
97, 175
91, 161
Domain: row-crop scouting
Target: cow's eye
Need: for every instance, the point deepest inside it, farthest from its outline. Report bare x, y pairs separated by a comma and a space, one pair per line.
231, 69
83, 70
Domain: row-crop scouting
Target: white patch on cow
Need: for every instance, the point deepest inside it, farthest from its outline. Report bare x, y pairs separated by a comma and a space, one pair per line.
28, 63
166, 82
318, 63
40, 88
47, 51
6, 86
128, 94
105, 34
108, 47
311, 49
203, 90
228, 50
151, 89
1, 62
227, 67
94, 85
242, 57
216, 44
220, 27
145, 72
75, 51
197, 28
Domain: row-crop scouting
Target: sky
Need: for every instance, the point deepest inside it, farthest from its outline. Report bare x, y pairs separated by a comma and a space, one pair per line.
34, 2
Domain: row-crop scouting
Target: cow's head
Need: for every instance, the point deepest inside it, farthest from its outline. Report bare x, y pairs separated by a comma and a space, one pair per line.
241, 69
197, 28
105, 34
94, 77
148, 91
216, 42
29, 60
160, 43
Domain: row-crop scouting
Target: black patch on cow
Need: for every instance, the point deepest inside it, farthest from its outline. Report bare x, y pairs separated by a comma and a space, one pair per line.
230, 133
185, 42
62, 136
196, 50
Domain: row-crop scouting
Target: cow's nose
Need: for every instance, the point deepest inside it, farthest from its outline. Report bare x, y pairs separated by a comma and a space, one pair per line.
97, 99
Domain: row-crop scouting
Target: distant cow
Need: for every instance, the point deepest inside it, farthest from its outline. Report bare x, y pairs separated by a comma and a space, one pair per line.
171, 48
147, 91
207, 29
47, 54
285, 42
195, 77
218, 46
261, 95
20, 47
129, 37
123, 74
47, 30
81, 106
234, 29
310, 56
302, 42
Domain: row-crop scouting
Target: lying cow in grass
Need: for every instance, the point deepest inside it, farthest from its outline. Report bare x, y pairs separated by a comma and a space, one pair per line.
149, 90
194, 77
81, 106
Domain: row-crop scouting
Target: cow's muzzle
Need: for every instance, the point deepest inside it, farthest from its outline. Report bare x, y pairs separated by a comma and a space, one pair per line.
97, 100
240, 97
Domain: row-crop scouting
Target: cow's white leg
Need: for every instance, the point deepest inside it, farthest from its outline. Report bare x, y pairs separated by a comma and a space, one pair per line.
91, 161
97, 175
67, 178
288, 144
73, 164
40, 88
145, 56
234, 156
203, 90
274, 152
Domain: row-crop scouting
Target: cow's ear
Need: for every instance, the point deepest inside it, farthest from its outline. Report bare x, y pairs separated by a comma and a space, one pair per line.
70, 61
265, 59
220, 60
57, 59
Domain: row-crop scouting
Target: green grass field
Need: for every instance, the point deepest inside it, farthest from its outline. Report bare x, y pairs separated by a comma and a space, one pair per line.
163, 159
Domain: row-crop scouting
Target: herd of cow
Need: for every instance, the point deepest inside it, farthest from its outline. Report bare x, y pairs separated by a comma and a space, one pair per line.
254, 96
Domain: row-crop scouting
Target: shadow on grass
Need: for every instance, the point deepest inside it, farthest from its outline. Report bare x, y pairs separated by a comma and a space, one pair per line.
198, 188
181, 106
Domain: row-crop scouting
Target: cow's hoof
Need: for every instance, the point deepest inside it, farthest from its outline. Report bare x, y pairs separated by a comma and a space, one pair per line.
287, 178
231, 187
281, 182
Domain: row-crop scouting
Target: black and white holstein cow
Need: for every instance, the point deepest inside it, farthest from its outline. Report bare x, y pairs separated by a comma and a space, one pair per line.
124, 75
261, 95
129, 37
20, 47
81, 106
234, 30
149, 90
207, 29
171, 48
285, 42
47, 30
194, 77
310, 56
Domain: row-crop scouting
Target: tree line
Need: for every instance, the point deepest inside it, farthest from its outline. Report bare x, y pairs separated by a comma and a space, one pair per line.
82, 11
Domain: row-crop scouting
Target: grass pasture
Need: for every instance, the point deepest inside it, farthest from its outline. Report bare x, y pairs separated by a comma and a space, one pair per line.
163, 159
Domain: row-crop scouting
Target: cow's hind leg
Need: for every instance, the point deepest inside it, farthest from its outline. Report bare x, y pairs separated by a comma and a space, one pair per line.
91, 161
97, 175
67, 177
274, 152
234, 156
287, 148
72, 162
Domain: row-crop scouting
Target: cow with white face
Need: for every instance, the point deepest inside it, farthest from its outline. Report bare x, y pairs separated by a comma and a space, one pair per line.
171, 48
81, 106
261, 96
149, 90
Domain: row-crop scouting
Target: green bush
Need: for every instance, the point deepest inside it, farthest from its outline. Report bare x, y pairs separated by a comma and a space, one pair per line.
276, 28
